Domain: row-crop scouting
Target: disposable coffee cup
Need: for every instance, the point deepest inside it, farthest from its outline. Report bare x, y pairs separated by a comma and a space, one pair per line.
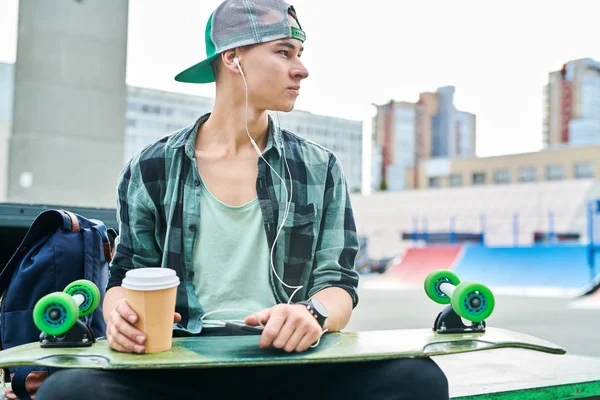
151, 293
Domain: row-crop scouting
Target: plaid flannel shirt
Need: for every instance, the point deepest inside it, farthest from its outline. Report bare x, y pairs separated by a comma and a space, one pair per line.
158, 211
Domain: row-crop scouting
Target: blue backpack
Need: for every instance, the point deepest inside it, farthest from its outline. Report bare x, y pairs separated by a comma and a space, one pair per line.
60, 247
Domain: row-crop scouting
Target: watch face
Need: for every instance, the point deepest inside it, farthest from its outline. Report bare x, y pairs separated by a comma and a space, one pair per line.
320, 308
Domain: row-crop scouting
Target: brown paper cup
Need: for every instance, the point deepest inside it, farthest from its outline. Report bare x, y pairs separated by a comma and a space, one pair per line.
155, 311
151, 293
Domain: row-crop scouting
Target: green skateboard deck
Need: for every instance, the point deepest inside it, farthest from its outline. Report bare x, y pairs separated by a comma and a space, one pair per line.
230, 351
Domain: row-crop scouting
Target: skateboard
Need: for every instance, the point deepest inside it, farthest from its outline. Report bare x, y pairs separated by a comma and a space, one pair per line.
66, 342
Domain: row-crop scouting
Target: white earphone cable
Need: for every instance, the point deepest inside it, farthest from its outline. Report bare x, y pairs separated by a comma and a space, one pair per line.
288, 201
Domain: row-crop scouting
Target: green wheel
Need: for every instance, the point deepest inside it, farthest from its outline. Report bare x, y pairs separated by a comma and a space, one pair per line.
55, 313
433, 282
473, 301
90, 293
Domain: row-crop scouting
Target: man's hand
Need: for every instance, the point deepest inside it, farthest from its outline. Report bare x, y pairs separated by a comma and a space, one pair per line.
290, 327
121, 333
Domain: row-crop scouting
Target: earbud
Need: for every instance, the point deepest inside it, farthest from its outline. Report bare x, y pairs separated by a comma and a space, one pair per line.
236, 61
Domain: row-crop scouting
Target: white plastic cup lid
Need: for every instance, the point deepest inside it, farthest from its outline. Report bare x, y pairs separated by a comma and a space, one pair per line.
150, 279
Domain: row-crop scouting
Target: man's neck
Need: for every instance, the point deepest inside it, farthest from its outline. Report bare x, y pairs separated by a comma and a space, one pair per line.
225, 130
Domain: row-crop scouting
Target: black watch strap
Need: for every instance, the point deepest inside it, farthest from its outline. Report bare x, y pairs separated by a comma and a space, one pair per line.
320, 316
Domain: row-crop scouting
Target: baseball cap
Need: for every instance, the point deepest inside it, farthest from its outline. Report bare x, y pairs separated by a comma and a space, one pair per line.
237, 23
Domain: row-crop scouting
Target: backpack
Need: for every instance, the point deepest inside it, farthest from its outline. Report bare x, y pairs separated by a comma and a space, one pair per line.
59, 248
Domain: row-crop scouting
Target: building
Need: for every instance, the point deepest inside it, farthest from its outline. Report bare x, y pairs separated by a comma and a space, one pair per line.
68, 104
572, 104
452, 131
342, 136
376, 160
7, 74
152, 114
406, 132
68, 118
394, 135
556, 164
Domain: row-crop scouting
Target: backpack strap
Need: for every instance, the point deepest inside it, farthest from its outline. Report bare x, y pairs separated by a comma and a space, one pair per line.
112, 236
17, 383
108, 238
108, 235
74, 221
92, 256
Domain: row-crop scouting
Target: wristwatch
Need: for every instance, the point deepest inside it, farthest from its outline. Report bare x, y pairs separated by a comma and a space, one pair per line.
317, 310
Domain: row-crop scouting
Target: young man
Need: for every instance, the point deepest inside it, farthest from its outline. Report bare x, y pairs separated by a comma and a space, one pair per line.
250, 217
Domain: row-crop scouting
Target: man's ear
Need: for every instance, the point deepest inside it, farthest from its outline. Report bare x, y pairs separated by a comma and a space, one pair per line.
227, 60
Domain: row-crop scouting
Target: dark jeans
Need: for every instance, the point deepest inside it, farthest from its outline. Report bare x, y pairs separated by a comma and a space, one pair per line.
419, 379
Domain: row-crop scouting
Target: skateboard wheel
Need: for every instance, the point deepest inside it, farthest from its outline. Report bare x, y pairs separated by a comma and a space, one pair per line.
90, 293
55, 313
433, 282
473, 301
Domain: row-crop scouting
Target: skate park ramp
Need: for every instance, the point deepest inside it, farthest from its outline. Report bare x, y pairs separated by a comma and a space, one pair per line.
420, 261
590, 298
542, 269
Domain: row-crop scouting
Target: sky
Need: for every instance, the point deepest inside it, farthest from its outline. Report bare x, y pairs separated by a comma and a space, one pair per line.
496, 54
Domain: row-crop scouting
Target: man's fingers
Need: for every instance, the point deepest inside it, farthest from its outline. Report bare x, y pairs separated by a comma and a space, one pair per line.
251, 320
273, 326
293, 341
261, 317
120, 342
128, 330
307, 340
125, 311
286, 332
177, 317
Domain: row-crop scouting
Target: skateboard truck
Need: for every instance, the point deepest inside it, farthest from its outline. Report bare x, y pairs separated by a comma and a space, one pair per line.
448, 321
470, 301
80, 335
60, 316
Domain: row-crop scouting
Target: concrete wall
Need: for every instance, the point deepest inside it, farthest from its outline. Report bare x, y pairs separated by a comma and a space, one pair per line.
5, 129
69, 104
7, 72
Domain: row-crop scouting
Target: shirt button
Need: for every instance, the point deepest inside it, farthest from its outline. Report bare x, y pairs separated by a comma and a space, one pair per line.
197, 182
191, 274
193, 228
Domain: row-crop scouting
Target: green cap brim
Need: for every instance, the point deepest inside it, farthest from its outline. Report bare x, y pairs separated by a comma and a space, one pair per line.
198, 73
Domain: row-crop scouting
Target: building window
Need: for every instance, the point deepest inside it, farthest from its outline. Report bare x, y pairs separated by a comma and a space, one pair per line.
584, 170
502, 176
456, 180
150, 109
555, 172
527, 174
435, 182
479, 178
130, 122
